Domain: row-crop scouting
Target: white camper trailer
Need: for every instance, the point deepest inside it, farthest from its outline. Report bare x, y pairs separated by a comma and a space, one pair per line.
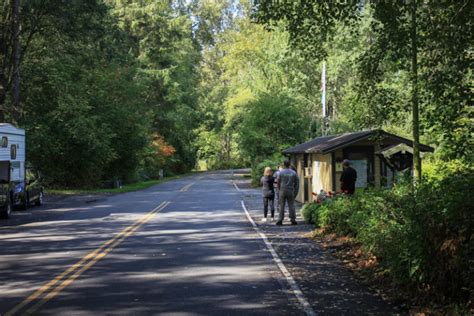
18, 184
12, 165
12, 151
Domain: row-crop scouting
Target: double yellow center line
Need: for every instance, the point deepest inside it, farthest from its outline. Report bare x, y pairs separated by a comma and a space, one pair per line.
51, 289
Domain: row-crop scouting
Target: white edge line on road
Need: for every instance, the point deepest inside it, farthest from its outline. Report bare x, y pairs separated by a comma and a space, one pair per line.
235, 186
294, 286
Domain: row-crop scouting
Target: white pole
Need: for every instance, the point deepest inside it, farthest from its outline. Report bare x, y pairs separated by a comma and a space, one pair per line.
323, 89
323, 99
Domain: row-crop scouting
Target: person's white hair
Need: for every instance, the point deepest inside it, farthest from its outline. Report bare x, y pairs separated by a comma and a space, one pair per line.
346, 162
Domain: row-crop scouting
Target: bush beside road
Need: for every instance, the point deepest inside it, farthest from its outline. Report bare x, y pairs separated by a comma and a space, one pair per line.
420, 238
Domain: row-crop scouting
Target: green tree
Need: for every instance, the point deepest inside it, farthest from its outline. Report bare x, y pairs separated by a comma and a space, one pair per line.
402, 40
83, 112
244, 63
162, 42
270, 124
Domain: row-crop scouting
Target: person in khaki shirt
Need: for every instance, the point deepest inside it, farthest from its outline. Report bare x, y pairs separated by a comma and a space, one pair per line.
288, 186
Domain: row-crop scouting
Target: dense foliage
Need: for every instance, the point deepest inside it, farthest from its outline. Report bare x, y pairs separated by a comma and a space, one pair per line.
107, 89
422, 235
436, 39
273, 162
122, 89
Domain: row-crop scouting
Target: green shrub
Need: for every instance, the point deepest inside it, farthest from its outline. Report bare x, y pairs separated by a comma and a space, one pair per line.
272, 162
334, 215
310, 213
422, 235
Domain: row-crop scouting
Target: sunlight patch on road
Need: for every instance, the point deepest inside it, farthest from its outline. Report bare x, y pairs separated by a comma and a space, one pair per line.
186, 187
210, 274
51, 289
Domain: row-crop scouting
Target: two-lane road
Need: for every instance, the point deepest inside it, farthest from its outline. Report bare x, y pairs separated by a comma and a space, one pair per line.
183, 247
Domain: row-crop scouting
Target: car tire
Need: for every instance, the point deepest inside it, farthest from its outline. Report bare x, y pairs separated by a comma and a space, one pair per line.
25, 202
40, 201
6, 210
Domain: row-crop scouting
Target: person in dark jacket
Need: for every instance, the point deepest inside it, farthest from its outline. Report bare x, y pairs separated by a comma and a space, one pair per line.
288, 185
268, 193
292, 167
348, 178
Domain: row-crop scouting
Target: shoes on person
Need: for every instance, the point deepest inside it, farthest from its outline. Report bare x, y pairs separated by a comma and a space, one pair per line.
264, 220
294, 223
273, 219
279, 223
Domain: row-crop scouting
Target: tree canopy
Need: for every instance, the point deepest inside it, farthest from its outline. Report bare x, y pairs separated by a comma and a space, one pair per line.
384, 61
121, 89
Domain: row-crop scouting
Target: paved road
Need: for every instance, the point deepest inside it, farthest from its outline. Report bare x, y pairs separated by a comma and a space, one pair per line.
183, 248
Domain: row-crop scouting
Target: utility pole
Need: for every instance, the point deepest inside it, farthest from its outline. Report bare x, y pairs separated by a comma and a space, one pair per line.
414, 95
16, 60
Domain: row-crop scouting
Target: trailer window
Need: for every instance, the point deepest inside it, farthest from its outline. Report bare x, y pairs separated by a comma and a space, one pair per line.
13, 152
4, 142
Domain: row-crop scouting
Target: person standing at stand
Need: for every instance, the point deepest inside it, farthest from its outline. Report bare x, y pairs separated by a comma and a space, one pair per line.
268, 193
288, 186
348, 178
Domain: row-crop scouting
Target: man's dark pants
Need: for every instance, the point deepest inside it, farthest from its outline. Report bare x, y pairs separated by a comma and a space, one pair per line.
277, 199
287, 197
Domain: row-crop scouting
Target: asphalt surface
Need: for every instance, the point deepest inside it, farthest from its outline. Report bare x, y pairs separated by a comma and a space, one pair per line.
197, 256
184, 247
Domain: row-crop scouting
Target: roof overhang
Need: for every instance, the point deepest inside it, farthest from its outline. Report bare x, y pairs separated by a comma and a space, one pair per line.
352, 140
345, 144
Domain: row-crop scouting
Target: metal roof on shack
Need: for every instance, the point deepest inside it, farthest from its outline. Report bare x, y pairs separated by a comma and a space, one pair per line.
327, 144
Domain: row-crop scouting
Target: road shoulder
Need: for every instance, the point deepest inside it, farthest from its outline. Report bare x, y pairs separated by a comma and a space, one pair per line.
328, 285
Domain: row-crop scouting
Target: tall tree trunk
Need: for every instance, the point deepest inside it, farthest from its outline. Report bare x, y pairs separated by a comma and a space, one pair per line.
415, 110
4, 31
16, 60
3, 96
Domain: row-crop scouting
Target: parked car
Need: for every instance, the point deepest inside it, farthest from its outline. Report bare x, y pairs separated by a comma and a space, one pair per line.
30, 191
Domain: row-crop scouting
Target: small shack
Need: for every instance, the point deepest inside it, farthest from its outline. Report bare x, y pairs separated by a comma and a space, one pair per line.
376, 155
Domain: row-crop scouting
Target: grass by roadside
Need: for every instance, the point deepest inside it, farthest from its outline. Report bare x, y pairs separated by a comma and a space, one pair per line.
125, 188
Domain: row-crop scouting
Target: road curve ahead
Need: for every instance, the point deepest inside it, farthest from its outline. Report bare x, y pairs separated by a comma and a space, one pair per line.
184, 247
